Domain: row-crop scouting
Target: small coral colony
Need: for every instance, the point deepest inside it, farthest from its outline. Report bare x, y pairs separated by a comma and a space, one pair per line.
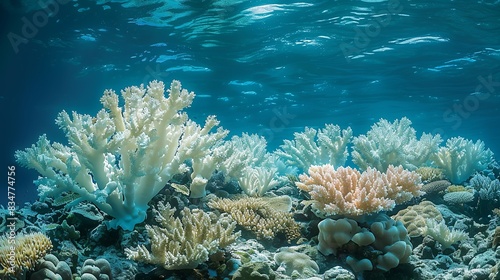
181, 196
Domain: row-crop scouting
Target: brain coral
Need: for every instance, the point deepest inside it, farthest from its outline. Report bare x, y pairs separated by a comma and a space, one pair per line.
458, 197
436, 186
414, 217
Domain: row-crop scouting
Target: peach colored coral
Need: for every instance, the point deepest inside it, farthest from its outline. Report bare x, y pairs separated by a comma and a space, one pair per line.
346, 191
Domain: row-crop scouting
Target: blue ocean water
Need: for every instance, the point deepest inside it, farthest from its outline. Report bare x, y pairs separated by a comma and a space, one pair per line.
263, 67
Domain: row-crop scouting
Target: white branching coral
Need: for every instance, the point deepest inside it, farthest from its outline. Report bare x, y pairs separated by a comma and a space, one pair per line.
258, 180
393, 143
442, 234
120, 159
241, 152
245, 159
316, 147
184, 243
461, 158
346, 191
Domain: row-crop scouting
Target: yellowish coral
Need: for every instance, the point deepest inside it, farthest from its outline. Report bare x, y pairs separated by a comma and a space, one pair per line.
264, 216
496, 211
430, 174
184, 243
414, 217
495, 238
457, 188
22, 252
346, 191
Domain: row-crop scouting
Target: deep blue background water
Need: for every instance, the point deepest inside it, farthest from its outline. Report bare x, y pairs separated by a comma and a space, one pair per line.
261, 67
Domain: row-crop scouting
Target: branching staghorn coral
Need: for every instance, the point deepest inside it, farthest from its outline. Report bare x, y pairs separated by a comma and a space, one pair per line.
120, 159
393, 144
244, 158
257, 180
264, 216
346, 191
315, 147
461, 158
184, 243
442, 234
22, 252
241, 152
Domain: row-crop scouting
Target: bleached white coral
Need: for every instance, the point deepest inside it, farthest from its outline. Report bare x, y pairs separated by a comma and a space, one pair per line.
245, 159
241, 152
120, 159
461, 158
393, 143
442, 234
256, 181
316, 147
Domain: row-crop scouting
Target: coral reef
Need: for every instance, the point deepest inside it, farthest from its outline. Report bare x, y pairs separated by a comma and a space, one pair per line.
458, 188
254, 271
257, 180
241, 152
495, 239
487, 188
95, 193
